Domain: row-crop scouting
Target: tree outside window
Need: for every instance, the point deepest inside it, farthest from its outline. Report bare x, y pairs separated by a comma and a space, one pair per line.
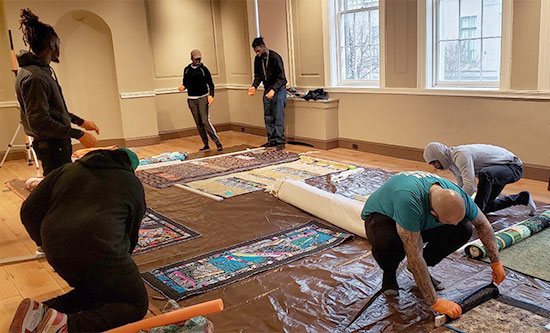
359, 40
467, 43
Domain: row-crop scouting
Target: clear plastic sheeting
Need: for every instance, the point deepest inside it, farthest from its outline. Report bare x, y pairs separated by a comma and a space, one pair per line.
324, 291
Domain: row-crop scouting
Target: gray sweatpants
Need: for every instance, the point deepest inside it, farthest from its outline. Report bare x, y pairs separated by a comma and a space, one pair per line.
200, 110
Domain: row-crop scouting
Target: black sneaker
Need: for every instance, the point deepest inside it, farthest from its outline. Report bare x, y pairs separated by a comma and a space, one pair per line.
267, 144
219, 146
204, 148
281, 146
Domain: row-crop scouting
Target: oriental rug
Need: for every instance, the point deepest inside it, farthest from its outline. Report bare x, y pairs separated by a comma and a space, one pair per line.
157, 231
222, 267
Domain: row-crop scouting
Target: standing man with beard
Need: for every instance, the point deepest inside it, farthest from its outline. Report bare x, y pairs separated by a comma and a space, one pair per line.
269, 69
43, 109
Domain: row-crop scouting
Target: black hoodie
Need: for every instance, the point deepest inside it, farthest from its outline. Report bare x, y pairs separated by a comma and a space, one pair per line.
43, 110
87, 213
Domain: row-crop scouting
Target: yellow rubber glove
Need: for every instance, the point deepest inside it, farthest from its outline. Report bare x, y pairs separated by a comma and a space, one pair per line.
447, 307
498, 272
181, 88
251, 91
210, 100
270, 94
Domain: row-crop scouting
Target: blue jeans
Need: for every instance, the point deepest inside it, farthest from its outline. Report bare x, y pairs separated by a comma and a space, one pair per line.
492, 180
274, 116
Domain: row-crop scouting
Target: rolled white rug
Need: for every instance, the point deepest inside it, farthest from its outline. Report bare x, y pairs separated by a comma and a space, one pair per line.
336, 209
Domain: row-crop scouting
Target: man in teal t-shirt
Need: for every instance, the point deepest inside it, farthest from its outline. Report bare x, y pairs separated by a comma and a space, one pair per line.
416, 207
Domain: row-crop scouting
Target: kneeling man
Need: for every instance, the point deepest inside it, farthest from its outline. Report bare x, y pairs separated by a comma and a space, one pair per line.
413, 208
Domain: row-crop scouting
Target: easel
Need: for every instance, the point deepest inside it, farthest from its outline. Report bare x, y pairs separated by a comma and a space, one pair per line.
31, 154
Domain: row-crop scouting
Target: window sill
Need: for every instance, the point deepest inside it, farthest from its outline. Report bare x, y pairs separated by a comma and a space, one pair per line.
486, 93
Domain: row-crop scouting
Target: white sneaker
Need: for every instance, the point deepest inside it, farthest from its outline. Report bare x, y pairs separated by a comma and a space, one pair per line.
28, 315
532, 206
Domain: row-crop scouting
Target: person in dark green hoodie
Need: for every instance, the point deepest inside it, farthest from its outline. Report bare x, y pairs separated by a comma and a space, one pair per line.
44, 113
86, 216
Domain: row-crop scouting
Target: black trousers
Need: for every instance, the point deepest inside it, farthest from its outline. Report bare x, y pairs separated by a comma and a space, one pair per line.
201, 114
491, 181
388, 250
53, 153
102, 298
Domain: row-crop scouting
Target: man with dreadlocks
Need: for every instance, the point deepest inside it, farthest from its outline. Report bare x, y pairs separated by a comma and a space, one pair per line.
43, 109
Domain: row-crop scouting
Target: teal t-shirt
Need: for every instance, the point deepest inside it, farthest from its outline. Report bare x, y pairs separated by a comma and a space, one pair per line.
405, 198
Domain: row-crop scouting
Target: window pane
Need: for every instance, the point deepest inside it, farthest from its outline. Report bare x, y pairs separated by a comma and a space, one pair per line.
490, 60
374, 27
492, 18
470, 62
357, 4
448, 19
361, 62
470, 18
449, 62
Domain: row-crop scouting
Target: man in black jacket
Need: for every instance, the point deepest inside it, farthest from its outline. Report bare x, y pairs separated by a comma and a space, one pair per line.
44, 112
86, 216
200, 95
269, 69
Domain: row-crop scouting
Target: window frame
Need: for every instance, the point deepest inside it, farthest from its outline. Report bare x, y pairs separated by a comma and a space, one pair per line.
432, 10
340, 56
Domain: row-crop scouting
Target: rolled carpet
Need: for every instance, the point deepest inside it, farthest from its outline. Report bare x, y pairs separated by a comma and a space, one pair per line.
338, 210
511, 235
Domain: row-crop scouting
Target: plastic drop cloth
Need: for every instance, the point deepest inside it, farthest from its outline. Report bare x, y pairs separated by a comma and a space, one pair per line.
322, 292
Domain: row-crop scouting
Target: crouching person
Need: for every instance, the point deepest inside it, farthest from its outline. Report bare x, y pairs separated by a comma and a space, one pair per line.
86, 216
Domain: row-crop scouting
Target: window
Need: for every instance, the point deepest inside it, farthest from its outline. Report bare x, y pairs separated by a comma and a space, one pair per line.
467, 42
358, 42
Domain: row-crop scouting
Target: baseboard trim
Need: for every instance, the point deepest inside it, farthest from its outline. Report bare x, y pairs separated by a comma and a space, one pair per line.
250, 129
185, 132
408, 153
531, 171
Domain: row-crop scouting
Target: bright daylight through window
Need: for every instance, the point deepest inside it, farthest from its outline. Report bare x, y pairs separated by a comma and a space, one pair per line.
358, 41
467, 43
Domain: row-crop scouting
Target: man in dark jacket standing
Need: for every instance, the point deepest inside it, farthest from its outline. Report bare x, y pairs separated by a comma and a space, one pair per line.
43, 109
269, 69
88, 233
200, 95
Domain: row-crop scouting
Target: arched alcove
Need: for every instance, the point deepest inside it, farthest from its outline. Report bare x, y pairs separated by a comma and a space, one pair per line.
87, 71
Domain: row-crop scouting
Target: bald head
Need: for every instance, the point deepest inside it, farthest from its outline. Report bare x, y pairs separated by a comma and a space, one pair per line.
447, 205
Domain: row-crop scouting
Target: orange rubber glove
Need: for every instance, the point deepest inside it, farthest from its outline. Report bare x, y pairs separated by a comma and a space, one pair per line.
498, 272
210, 100
251, 91
447, 307
181, 88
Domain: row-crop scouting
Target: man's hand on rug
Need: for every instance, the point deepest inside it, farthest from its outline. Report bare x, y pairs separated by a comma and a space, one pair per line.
210, 100
447, 307
251, 91
270, 94
498, 272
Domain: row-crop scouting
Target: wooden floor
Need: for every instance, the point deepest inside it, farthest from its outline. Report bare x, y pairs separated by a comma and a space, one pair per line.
37, 279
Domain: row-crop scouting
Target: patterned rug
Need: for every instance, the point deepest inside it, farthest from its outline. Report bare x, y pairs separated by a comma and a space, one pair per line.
188, 171
158, 231
503, 314
213, 270
258, 179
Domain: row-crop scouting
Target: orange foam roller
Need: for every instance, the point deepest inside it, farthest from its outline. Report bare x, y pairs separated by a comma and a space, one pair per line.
172, 317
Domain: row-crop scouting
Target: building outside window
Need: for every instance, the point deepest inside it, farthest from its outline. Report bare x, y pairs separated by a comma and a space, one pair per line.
467, 42
358, 42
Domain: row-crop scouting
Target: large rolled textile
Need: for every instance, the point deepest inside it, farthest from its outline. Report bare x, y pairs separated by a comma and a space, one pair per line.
336, 209
511, 235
